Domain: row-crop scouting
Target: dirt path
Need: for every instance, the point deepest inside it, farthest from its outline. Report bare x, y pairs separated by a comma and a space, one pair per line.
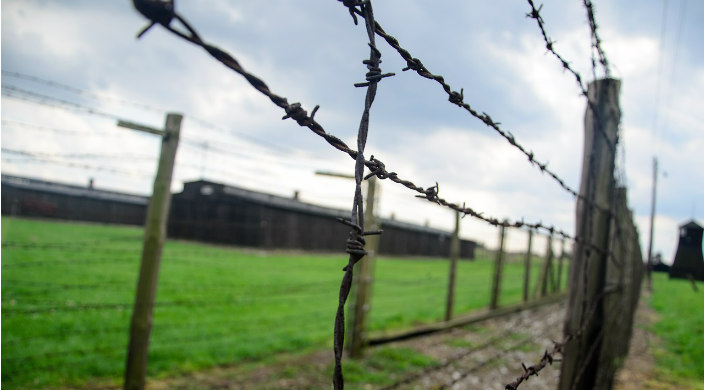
482, 356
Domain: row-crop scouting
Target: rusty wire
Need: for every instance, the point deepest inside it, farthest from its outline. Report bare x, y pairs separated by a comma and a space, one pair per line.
457, 98
549, 45
548, 357
596, 40
296, 112
164, 14
355, 243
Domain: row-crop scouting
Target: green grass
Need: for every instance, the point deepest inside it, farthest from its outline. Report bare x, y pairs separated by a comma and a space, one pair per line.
681, 327
384, 366
67, 291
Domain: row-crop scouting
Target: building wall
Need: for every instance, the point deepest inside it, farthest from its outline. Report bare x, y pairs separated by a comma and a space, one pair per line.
36, 203
278, 223
212, 212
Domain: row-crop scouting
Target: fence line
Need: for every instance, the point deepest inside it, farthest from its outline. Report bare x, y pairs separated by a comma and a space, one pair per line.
457, 98
549, 45
163, 13
143, 106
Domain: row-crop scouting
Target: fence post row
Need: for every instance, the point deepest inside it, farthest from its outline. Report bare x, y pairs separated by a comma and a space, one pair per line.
498, 265
546, 274
154, 238
526, 273
559, 264
363, 280
454, 256
585, 311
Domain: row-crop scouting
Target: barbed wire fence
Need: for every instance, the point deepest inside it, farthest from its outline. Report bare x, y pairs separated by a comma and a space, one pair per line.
164, 13
590, 311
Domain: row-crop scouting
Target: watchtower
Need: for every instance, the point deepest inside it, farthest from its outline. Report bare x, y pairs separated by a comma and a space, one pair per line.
688, 259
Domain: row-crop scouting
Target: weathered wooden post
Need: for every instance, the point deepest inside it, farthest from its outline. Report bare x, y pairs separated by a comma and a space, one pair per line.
546, 274
526, 273
649, 267
498, 265
364, 278
584, 318
559, 264
454, 256
154, 238
615, 301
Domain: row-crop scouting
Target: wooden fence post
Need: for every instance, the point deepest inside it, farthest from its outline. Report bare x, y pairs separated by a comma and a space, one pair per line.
454, 256
546, 271
154, 238
559, 265
615, 302
649, 267
498, 265
584, 318
526, 272
364, 278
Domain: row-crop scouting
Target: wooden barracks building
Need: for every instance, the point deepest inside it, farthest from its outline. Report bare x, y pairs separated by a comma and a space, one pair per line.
213, 212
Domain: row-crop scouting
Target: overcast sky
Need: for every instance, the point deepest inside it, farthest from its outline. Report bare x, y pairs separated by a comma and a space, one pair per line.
311, 52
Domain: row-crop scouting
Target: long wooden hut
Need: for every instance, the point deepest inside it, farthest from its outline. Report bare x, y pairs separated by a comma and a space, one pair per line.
214, 212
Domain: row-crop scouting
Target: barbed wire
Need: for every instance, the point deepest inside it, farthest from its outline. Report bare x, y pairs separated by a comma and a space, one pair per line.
356, 242
147, 107
454, 358
493, 358
28, 158
457, 98
549, 357
12, 123
54, 102
82, 91
296, 112
78, 155
549, 45
596, 40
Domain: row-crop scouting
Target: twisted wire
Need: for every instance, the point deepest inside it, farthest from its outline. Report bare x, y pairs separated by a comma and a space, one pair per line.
549, 45
596, 40
355, 243
457, 98
296, 112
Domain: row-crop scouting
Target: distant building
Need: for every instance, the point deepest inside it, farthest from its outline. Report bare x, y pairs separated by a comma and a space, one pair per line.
216, 212
658, 265
689, 259
38, 198
213, 212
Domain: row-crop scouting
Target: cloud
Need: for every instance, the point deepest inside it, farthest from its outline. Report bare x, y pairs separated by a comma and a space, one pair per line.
313, 55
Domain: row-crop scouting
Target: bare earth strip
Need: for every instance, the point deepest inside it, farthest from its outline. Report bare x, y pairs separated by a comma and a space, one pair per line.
482, 356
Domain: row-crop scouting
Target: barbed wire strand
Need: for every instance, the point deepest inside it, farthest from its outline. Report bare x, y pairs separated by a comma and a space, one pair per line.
296, 112
549, 45
355, 242
596, 40
147, 107
457, 98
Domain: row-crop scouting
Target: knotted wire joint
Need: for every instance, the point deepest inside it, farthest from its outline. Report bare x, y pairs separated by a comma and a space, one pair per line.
431, 193
298, 114
457, 97
352, 7
356, 242
413, 64
535, 14
376, 168
374, 74
157, 11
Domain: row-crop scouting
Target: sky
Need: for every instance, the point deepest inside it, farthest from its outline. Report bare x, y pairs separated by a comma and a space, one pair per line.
70, 70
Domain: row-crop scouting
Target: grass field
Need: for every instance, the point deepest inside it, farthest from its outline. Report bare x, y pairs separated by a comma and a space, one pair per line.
681, 328
67, 291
